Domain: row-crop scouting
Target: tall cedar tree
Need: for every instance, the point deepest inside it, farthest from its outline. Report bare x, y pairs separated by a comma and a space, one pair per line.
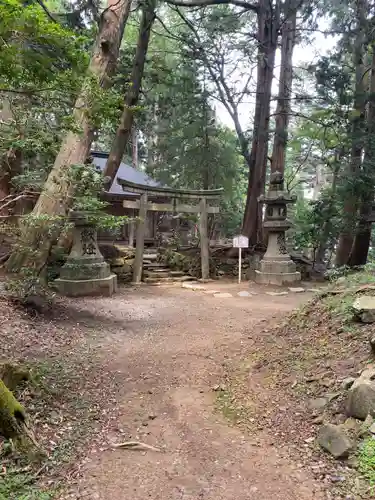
57, 195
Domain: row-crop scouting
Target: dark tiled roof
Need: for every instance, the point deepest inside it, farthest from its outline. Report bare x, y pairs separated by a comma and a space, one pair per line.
124, 172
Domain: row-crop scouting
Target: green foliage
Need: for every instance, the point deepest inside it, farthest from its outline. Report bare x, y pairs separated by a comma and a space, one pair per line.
90, 182
180, 140
315, 222
42, 64
354, 277
366, 457
186, 145
19, 486
34, 50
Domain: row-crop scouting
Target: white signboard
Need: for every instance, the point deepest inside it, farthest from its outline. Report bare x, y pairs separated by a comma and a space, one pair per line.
240, 242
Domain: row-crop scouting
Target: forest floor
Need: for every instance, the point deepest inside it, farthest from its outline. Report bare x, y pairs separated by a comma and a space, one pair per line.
216, 386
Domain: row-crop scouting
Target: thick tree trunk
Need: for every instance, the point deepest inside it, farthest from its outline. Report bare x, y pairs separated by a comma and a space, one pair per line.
327, 225
10, 164
12, 413
131, 98
268, 26
283, 108
361, 244
4, 191
58, 193
362, 239
352, 200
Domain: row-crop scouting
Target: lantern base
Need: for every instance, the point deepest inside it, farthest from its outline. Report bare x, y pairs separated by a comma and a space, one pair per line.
277, 278
92, 287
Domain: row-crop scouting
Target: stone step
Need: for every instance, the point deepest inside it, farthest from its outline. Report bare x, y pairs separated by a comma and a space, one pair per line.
158, 274
153, 281
154, 265
156, 269
176, 274
167, 279
150, 256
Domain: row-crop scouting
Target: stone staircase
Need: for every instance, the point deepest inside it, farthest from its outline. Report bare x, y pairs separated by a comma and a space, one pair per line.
156, 273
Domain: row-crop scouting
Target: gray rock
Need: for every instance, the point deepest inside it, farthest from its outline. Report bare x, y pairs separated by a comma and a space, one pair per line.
352, 425
365, 427
244, 293
331, 396
347, 383
193, 286
334, 439
223, 295
372, 343
364, 309
318, 420
317, 404
372, 428
361, 396
368, 373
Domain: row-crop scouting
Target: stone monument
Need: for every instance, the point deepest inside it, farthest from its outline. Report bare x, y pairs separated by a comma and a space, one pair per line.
85, 272
276, 267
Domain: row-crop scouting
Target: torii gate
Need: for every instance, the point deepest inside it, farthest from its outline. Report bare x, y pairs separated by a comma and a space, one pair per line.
177, 196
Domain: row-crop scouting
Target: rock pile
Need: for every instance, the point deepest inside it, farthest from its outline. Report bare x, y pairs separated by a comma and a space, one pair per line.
359, 403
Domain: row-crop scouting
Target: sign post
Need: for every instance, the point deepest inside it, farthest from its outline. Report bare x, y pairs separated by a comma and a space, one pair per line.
240, 242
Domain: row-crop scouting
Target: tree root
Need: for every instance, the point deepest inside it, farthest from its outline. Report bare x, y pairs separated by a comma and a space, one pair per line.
12, 413
13, 374
13, 418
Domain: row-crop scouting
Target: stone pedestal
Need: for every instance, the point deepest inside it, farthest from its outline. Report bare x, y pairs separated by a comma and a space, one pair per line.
276, 267
85, 272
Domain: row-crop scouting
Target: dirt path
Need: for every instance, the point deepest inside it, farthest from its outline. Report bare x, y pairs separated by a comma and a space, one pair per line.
170, 346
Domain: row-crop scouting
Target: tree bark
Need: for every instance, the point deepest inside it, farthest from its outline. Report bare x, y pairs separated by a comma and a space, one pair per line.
352, 200
11, 161
283, 109
12, 413
362, 239
268, 27
327, 225
58, 193
131, 98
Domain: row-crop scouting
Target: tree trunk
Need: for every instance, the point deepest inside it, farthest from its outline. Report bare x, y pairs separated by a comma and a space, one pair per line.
362, 239
12, 413
131, 98
283, 108
268, 26
10, 163
327, 225
58, 193
352, 200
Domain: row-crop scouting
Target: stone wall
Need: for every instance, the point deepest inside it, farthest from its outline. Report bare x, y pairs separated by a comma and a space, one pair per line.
224, 262
121, 261
189, 261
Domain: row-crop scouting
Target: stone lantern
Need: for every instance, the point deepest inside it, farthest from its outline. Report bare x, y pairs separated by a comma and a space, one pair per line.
85, 271
276, 267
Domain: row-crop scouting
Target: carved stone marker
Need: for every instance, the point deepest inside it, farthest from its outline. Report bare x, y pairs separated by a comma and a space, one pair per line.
85, 272
276, 267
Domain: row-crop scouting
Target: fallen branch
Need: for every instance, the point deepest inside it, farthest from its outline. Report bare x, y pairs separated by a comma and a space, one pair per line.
136, 445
